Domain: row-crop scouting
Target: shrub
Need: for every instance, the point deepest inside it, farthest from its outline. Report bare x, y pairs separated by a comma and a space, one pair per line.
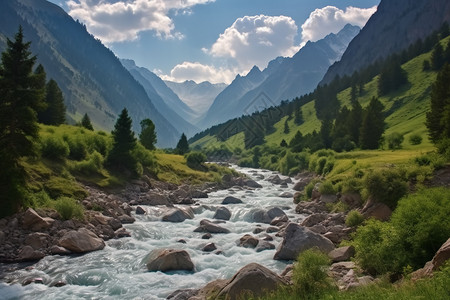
386, 186
145, 158
415, 139
39, 199
309, 189
90, 166
320, 165
310, 275
394, 140
69, 208
354, 219
54, 148
351, 185
327, 188
195, 160
77, 147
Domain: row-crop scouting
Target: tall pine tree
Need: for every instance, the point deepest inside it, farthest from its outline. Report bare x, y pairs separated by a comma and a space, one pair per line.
21, 95
120, 157
372, 125
86, 122
147, 137
55, 112
182, 145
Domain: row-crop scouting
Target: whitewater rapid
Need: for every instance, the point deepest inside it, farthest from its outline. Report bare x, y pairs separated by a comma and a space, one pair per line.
118, 271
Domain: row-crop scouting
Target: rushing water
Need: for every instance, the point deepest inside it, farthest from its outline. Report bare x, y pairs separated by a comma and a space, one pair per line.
118, 271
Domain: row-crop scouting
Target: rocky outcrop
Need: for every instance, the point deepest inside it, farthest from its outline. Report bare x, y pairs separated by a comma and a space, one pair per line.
208, 226
441, 256
252, 280
169, 260
377, 210
345, 274
298, 239
222, 213
81, 241
32, 221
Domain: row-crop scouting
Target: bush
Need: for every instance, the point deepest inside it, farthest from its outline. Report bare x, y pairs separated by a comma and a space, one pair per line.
195, 160
145, 158
92, 165
327, 188
354, 219
385, 186
351, 185
394, 140
415, 139
320, 165
69, 208
310, 275
77, 146
54, 148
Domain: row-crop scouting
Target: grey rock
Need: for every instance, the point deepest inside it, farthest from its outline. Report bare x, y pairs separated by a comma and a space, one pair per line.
169, 260
222, 213
231, 200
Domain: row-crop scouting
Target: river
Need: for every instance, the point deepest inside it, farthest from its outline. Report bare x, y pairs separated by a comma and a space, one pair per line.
118, 271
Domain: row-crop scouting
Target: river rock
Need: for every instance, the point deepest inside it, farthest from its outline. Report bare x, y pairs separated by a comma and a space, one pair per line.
328, 198
264, 245
314, 219
28, 253
279, 220
178, 215
298, 239
182, 294
121, 232
251, 183
208, 226
126, 219
206, 236
263, 216
154, 198
209, 247
254, 280
140, 210
169, 260
222, 213
57, 250
377, 210
342, 254
286, 195
81, 241
248, 241
231, 200
275, 179
37, 240
33, 221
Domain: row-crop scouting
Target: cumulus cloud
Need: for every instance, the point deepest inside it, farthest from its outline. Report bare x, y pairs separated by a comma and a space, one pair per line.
323, 21
123, 20
199, 72
255, 40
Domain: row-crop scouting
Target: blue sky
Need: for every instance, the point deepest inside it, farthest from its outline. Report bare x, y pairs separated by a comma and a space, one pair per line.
212, 39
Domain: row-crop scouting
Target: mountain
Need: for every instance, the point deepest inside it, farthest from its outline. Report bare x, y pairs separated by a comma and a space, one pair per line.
91, 77
392, 28
283, 79
198, 96
165, 100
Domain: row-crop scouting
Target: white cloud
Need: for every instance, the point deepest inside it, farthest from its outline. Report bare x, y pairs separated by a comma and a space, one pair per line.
198, 72
123, 20
255, 40
323, 21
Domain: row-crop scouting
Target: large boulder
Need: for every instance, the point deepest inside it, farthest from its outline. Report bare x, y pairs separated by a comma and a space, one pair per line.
248, 241
342, 254
377, 210
254, 280
208, 226
231, 200
33, 221
298, 239
222, 213
169, 260
81, 241
251, 183
263, 216
177, 215
441, 256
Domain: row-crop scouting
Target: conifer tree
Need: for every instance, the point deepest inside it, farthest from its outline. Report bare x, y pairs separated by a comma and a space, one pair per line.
120, 156
283, 143
296, 144
355, 120
182, 145
147, 136
372, 125
437, 57
21, 95
86, 122
55, 112
286, 127
298, 116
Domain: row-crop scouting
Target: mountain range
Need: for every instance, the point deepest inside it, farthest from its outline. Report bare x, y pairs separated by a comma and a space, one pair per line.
283, 79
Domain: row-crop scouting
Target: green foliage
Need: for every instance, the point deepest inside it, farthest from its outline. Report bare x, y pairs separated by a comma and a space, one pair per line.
182, 145
55, 111
77, 146
415, 139
69, 208
196, 160
288, 163
437, 57
372, 125
394, 140
354, 219
283, 143
386, 186
54, 148
92, 165
310, 275
351, 185
147, 137
391, 78
286, 127
327, 188
86, 122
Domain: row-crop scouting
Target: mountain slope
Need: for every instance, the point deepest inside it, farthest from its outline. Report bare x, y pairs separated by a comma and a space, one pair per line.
198, 96
173, 110
91, 77
393, 27
283, 79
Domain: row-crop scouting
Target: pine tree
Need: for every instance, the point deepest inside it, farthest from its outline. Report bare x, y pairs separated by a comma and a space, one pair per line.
355, 121
86, 122
286, 127
437, 57
21, 96
298, 116
283, 143
55, 112
372, 125
392, 76
147, 136
182, 145
120, 157
296, 144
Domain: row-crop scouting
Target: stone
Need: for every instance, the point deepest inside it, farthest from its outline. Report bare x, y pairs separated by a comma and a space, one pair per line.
27, 253
254, 280
182, 294
206, 236
301, 184
264, 245
31, 220
178, 215
275, 179
328, 198
298, 239
286, 195
314, 219
140, 210
259, 216
209, 247
121, 232
126, 219
208, 226
257, 230
342, 254
222, 213
318, 229
352, 200
272, 229
251, 183
231, 200
81, 241
210, 290
379, 211
2, 237
115, 224
37, 240
441, 256
57, 250
154, 198
169, 260
248, 241
58, 283
279, 220
275, 212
